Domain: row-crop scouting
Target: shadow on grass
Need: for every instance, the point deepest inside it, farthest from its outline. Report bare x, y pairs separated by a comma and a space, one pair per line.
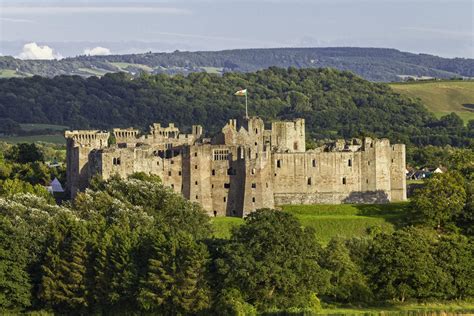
398, 214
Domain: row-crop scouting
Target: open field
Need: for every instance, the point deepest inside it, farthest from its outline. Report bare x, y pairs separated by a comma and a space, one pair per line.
223, 225
413, 309
123, 66
55, 139
93, 72
406, 309
213, 70
35, 127
340, 220
442, 97
9, 73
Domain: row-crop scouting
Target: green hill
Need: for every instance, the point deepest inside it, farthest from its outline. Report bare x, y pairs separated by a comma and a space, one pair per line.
374, 64
341, 220
334, 104
442, 97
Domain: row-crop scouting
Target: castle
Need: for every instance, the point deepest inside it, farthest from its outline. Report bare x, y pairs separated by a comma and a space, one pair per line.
244, 167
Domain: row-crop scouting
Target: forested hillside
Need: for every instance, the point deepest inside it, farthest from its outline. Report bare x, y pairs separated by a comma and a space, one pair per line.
375, 64
334, 104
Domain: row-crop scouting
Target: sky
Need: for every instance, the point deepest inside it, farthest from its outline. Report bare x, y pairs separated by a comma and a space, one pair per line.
57, 29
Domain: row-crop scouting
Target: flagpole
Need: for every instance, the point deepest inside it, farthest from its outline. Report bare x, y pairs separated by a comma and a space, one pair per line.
246, 107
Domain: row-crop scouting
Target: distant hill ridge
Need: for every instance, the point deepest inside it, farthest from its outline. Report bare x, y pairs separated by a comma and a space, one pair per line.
374, 64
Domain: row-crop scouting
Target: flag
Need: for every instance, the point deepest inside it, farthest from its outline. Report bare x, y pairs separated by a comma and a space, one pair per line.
241, 93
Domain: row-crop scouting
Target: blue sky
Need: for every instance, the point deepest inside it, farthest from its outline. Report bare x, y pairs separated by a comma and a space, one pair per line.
69, 27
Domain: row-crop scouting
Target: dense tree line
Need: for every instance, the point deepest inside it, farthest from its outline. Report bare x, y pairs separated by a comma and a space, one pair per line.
23, 169
375, 64
132, 245
334, 104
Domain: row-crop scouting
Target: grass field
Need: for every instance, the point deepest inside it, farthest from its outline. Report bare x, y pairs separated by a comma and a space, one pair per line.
213, 70
55, 139
93, 71
341, 220
123, 66
412, 309
9, 73
223, 225
35, 127
442, 97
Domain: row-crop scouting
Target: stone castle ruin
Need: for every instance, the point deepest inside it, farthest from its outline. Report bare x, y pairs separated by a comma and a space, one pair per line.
244, 167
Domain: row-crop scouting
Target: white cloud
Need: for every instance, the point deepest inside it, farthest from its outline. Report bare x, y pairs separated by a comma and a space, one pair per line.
34, 51
97, 51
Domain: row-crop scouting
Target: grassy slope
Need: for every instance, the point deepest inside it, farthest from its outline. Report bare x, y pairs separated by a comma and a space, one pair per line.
54, 135
9, 73
344, 220
440, 308
34, 127
441, 97
213, 70
123, 66
55, 139
223, 225
94, 72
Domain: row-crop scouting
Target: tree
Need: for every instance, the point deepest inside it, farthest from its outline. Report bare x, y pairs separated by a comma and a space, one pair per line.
470, 126
333, 103
25, 153
63, 282
115, 271
9, 126
466, 220
272, 261
9, 188
455, 255
174, 280
441, 200
462, 160
15, 285
347, 283
34, 172
298, 102
170, 209
401, 266
230, 302
451, 120
5, 168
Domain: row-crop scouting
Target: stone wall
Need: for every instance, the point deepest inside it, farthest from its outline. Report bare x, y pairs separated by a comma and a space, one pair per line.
289, 136
363, 176
245, 167
79, 145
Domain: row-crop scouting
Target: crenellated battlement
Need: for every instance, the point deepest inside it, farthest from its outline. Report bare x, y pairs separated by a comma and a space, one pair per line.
126, 133
92, 138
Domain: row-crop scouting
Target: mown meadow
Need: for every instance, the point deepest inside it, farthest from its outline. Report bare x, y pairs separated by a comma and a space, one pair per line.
336, 220
442, 97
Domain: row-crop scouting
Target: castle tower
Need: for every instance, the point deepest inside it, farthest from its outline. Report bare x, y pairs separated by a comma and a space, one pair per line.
197, 131
79, 146
397, 173
289, 136
376, 168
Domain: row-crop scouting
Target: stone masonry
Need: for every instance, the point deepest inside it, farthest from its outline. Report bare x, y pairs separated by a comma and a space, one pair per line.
245, 167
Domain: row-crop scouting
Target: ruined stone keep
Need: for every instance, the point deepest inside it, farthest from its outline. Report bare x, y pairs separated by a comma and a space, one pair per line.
244, 167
